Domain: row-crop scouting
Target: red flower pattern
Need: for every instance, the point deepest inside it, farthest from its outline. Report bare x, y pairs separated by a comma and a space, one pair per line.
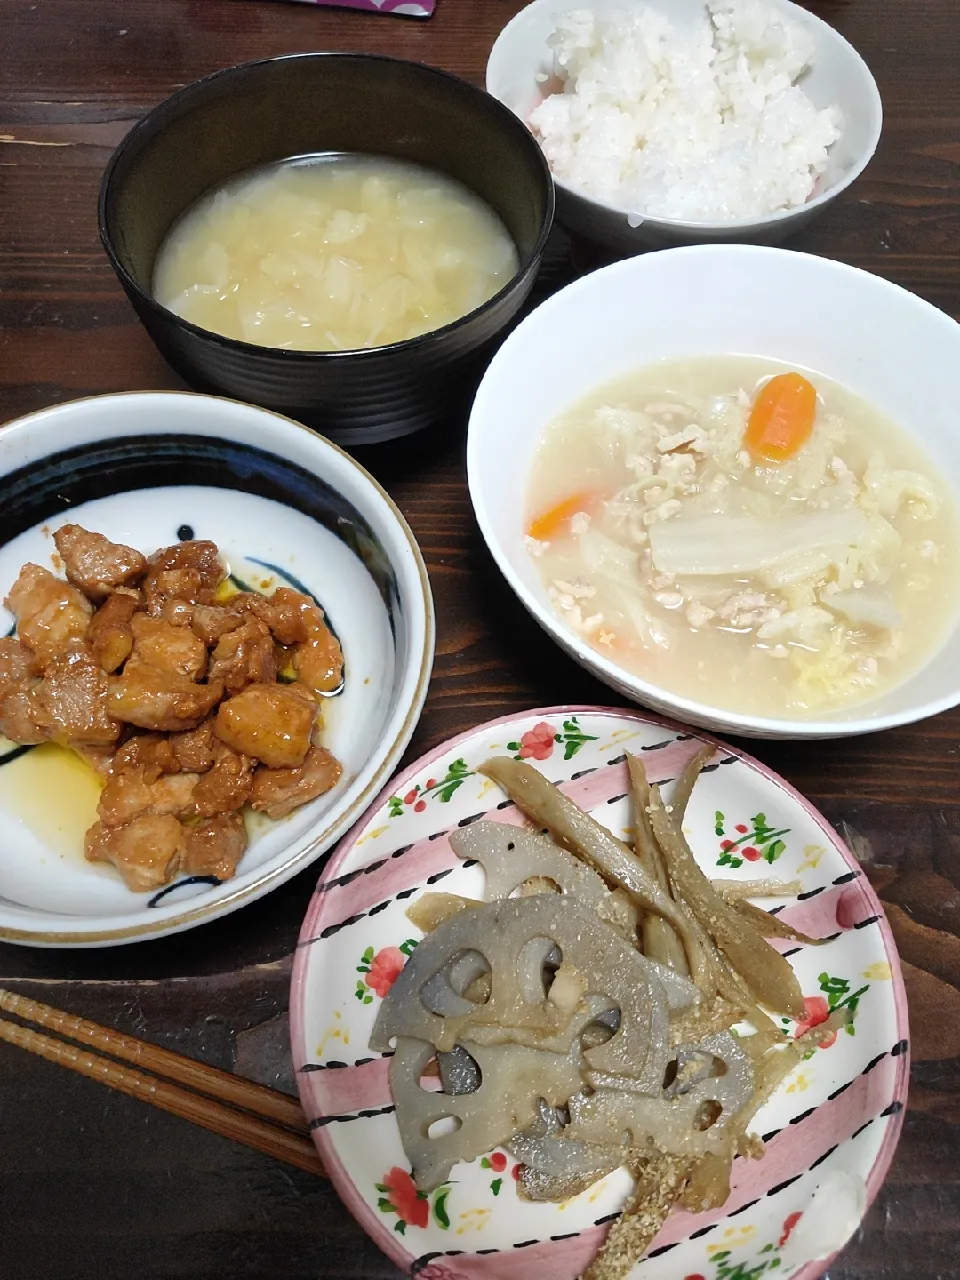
384, 970
537, 743
751, 854
403, 1195
789, 1224
815, 1011
498, 1161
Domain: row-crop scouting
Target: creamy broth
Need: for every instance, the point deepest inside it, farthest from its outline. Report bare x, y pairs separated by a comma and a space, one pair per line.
333, 254
789, 588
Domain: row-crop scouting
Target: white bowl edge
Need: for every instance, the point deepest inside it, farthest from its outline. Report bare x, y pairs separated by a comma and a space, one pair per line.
538, 373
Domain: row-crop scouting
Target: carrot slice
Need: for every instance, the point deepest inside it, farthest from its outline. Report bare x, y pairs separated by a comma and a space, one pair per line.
781, 419
552, 521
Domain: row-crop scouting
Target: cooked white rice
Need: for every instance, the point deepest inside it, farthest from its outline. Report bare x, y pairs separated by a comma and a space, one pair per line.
707, 123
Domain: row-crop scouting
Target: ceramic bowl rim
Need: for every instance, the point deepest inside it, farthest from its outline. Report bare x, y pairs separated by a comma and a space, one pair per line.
664, 702
758, 221
343, 1183
196, 89
286, 866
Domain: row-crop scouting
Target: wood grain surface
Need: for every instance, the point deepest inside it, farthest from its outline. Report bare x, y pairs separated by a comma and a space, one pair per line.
93, 1184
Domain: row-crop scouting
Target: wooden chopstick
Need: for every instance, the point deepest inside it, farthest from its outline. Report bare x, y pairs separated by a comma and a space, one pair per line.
221, 1085
217, 1112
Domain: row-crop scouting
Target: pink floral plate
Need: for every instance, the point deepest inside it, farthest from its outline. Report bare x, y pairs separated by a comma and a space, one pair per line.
831, 1129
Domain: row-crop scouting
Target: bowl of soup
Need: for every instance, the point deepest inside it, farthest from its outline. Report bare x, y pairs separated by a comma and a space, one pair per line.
725, 479
340, 237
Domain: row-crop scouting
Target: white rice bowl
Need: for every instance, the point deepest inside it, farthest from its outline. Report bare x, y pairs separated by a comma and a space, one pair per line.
662, 120
705, 122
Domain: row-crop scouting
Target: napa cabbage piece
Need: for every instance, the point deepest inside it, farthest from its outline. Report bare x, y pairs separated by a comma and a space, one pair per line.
827, 674
809, 566
715, 544
872, 559
866, 606
888, 488
606, 558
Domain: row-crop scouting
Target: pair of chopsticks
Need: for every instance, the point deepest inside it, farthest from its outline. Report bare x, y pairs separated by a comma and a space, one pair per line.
249, 1113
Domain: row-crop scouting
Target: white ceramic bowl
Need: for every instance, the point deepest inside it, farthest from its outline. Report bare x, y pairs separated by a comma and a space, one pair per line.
282, 503
878, 340
837, 76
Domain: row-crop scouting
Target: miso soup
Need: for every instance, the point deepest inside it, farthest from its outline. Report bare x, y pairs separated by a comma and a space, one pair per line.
333, 253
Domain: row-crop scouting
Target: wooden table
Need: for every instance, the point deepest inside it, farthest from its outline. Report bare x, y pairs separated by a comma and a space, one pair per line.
93, 1184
